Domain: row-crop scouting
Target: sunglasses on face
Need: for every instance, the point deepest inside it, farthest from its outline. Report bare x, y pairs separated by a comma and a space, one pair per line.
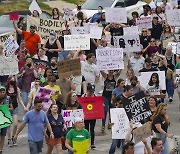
137, 53
144, 31
152, 41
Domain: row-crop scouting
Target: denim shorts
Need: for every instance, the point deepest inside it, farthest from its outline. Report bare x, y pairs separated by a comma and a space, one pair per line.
14, 111
3, 131
35, 147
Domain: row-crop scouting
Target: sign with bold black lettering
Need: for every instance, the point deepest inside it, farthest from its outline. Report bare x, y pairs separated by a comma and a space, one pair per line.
137, 107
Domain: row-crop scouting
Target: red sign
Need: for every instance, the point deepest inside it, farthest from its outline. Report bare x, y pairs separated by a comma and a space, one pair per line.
93, 107
13, 16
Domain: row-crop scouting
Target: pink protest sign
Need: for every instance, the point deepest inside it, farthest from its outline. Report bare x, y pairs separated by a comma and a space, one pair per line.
13, 16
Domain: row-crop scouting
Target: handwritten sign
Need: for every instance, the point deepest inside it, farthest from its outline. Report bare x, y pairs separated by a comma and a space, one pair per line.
143, 131
145, 77
93, 107
77, 30
10, 46
77, 42
69, 115
81, 147
6, 118
68, 13
67, 68
178, 75
133, 30
8, 65
137, 107
144, 22
116, 15
5, 36
44, 94
173, 17
121, 123
129, 43
13, 16
96, 32
110, 58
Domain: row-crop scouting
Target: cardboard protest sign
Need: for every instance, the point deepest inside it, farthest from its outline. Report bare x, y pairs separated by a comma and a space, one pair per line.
77, 42
68, 13
40, 66
137, 107
34, 6
81, 147
178, 48
6, 118
174, 46
77, 80
69, 115
93, 107
133, 30
5, 36
10, 46
77, 30
46, 26
109, 58
8, 65
67, 68
44, 94
173, 17
145, 77
13, 16
176, 141
121, 123
143, 131
96, 32
178, 75
129, 43
144, 22
116, 15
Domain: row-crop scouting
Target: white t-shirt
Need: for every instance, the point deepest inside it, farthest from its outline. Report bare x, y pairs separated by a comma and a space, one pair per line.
152, 90
89, 72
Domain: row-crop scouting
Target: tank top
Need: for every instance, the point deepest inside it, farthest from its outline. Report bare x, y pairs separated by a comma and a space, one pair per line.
51, 46
13, 98
109, 85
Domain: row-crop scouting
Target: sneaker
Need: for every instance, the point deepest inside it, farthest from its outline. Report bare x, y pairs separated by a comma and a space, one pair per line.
103, 129
10, 144
93, 146
170, 99
100, 92
14, 142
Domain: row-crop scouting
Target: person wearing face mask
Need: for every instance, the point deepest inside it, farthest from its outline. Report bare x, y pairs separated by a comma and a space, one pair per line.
53, 66
136, 85
97, 16
52, 46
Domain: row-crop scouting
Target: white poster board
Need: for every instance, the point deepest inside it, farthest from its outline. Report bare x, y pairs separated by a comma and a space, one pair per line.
77, 80
5, 36
68, 13
174, 46
121, 123
34, 6
129, 43
96, 32
173, 3
109, 58
77, 30
144, 22
10, 46
173, 17
116, 15
69, 116
77, 42
133, 30
145, 77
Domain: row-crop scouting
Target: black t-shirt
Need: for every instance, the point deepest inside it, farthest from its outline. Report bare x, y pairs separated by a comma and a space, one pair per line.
75, 106
56, 125
148, 70
156, 31
144, 40
115, 32
159, 120
61, 40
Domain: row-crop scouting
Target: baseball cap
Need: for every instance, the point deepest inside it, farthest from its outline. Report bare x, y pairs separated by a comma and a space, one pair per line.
148, 60
90, 87
2, 88
32, 26
78, 119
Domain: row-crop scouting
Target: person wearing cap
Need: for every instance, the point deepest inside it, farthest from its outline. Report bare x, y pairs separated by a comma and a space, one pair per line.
4, 99
52, 46
33, 41
90, 124
78, 134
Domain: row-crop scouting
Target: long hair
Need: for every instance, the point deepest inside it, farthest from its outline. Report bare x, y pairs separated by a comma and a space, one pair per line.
157, 82
164, 28
56, 10
14, 86
45, 72
67, 101
158, 112
49, 110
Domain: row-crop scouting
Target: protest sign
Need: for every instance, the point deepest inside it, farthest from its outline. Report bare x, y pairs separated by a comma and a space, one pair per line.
40, 66
13, 16
129, 43
93, 107
77, 30
143, 131
121, 123
34, 6
10, 46
110, 58
5, 36
96, 32
8, 65
77, 42
137, 107
81, 147
133, 30
68, 13
77, 80
173, 17
116, 15
145, 77
87, 27
178, 75
69, 115
174, 46
6, 118
144, 22
44, 94
178, 48
70, 67
46, 26
176, 141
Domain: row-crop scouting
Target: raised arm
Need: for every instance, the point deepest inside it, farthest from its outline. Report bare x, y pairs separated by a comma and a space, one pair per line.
19, 31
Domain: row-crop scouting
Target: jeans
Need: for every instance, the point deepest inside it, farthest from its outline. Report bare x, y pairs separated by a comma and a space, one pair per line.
92, 124
63, 55
165, 143
170, 87
114, 144
107, 101
25, 95
35, 147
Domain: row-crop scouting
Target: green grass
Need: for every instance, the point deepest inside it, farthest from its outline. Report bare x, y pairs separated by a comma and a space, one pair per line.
21, 5
75, 1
